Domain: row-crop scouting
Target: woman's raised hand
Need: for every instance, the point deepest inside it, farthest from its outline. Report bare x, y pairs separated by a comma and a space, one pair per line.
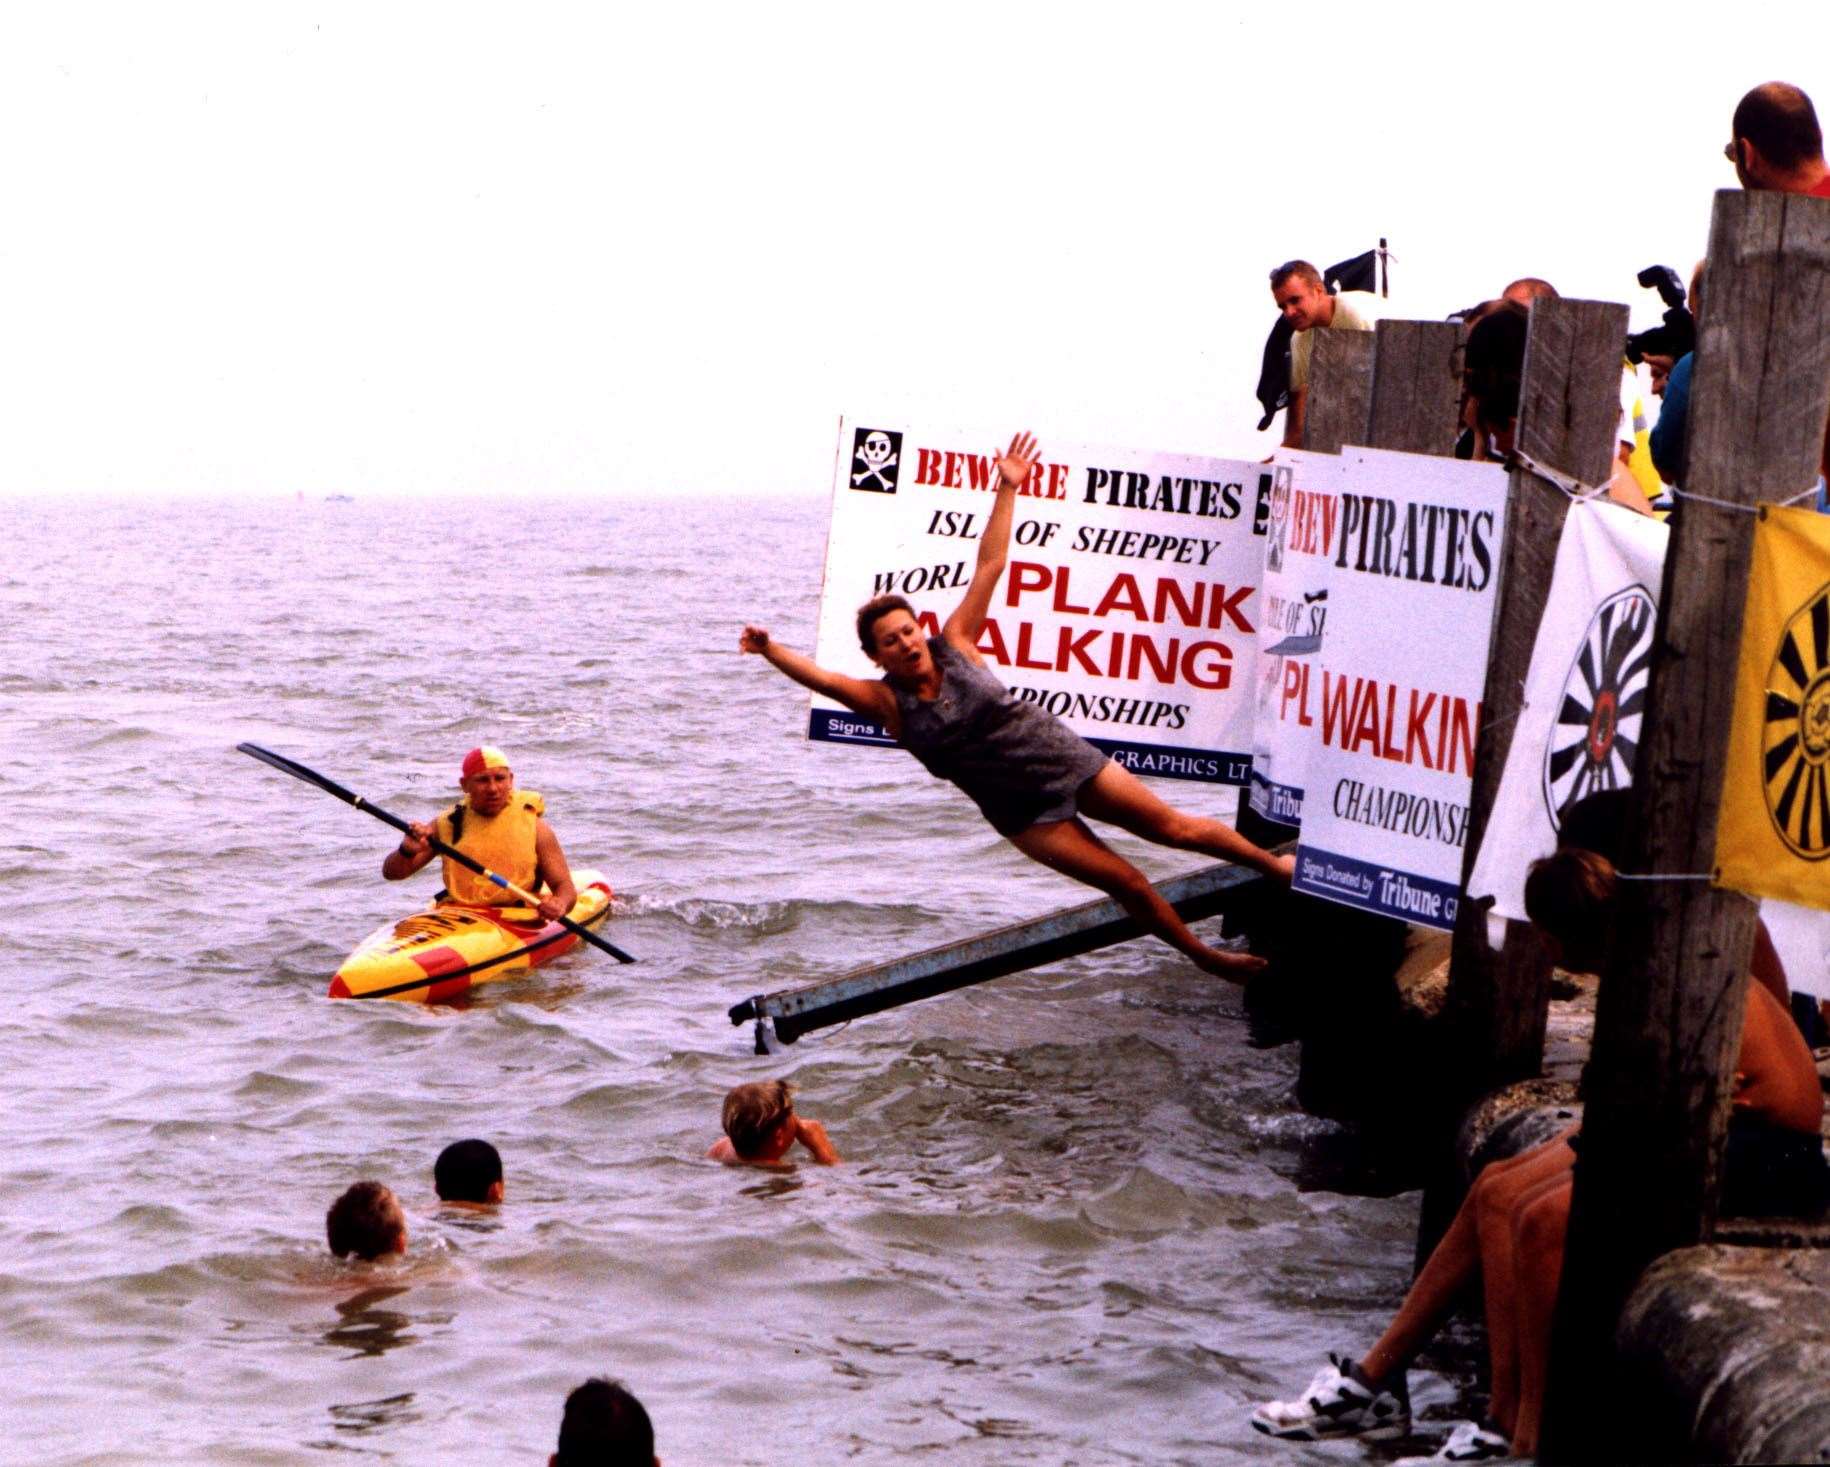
754, 639
1018, 460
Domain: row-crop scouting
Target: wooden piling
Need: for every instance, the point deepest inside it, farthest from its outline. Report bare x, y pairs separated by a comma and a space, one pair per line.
1668, 1020
1342, 955
1569, 411
1416, 386
1340, 390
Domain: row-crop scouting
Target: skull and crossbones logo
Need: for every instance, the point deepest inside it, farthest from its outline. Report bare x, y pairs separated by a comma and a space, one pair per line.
877, 454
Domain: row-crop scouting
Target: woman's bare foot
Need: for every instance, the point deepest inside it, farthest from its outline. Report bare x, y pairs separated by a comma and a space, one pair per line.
1234, 967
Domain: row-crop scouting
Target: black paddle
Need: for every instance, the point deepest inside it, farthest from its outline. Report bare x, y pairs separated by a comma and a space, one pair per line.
349, 797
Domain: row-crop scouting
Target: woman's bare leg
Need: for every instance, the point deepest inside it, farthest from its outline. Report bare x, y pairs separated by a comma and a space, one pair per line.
1120, 798
1455, 1260
1540, 1230
1499, 1200
1451, 1264
1069, 847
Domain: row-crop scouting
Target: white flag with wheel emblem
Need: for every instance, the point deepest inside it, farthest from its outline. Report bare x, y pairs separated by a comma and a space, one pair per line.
1585, 694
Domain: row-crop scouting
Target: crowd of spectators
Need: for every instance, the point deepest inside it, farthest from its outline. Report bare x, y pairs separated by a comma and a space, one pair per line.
1509, 1233
1777, 143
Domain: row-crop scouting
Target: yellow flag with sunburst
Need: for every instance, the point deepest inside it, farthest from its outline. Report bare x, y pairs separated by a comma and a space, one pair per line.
1773, 837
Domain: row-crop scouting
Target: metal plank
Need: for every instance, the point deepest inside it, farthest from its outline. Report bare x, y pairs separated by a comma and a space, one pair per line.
1065, 934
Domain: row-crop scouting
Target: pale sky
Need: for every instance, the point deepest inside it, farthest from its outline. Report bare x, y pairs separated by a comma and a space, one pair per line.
416, 248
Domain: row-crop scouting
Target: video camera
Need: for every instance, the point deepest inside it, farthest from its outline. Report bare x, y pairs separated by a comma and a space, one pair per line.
1677, 334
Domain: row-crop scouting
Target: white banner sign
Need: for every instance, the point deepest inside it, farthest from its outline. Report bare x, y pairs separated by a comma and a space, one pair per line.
1129, 608
1392, 701
1584, 695
1299, 541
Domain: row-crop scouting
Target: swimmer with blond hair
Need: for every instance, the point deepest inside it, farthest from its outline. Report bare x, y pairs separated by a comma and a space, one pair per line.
761, 1127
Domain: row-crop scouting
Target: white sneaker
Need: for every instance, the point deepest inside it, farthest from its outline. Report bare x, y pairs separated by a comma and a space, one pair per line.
1335, 1405
1468, 1442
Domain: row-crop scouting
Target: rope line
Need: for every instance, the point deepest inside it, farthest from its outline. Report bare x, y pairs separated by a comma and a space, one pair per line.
1738, 508
1556, 478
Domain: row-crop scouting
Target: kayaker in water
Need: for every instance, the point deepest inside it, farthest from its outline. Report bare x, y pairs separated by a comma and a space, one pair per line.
1030, 775
498, 825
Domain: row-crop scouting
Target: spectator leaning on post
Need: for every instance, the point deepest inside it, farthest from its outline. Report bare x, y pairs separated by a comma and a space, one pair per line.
1633, 452
1493, 363
1778, 145
1297, 287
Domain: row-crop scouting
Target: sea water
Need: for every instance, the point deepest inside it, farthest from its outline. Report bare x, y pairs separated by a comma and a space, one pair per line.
1075, 1221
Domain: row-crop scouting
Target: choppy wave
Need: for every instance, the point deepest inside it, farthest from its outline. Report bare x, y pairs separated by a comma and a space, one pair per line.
766, 918
108, 738
1075, 1185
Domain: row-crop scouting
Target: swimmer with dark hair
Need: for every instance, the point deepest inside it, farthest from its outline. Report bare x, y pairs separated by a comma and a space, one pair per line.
604, 1426
468, 1174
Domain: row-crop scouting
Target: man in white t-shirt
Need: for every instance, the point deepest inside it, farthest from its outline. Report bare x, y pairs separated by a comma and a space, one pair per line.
1297, 287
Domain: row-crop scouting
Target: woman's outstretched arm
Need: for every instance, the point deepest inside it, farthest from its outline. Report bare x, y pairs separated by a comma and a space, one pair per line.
869, 699
968, 619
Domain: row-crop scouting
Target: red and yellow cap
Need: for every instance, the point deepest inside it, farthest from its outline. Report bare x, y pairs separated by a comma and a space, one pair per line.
485, 757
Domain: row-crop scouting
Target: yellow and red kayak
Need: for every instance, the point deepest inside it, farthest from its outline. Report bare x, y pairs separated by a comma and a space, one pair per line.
451, 947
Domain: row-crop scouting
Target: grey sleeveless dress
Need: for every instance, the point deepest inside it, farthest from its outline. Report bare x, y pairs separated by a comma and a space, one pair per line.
1021, 765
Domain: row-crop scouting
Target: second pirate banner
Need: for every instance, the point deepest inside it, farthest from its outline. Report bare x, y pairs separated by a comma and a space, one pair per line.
1391, 700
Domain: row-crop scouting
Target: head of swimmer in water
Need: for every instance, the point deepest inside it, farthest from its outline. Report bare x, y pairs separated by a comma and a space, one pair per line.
604, 1423
893, 639
486, 780
759, 1119
366, 1222
468, 1172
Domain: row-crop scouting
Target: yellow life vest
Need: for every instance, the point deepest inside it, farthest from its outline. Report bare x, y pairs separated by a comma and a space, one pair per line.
503, 842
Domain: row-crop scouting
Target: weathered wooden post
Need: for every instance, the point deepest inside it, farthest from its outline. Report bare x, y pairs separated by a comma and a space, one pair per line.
1336, 949
1416, 386
1669, 1014
1395, 387
1569, 412
1340, 387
